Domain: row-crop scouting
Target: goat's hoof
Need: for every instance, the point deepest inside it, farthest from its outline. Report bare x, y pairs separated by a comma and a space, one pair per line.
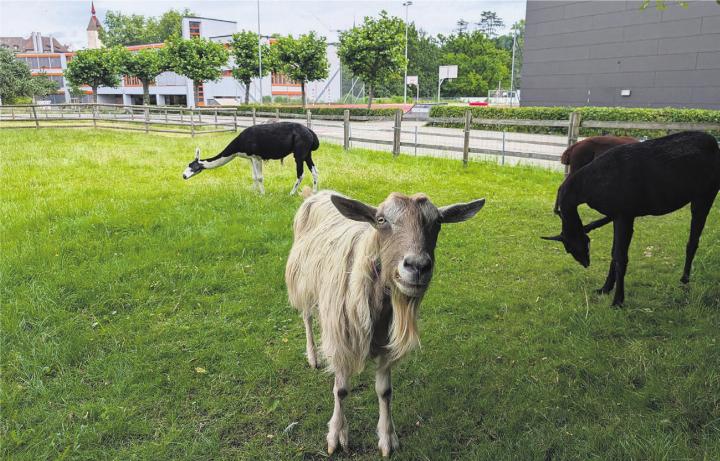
312, 361
618, 303
388, 443
338, 438
603, 291
685, 279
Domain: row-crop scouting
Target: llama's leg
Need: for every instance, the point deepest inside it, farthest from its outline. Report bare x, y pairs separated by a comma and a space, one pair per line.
621, 244
700, 210
254, 173
338, 427
299, 171
259, 167
610, 280
313, 171
309, 341
387, 438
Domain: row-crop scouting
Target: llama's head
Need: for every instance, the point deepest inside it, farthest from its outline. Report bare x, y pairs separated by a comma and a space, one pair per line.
575, 243
193, 167
407, 229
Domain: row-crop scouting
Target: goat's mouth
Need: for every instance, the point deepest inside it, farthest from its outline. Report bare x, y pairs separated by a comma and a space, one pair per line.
408, 288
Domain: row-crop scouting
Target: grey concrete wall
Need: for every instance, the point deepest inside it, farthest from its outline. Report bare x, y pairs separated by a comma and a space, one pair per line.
587, 52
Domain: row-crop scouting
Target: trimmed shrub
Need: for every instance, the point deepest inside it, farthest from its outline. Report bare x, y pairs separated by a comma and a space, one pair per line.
619, 114
358, 112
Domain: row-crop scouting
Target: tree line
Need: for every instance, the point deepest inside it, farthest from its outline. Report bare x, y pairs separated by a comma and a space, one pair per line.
374, 52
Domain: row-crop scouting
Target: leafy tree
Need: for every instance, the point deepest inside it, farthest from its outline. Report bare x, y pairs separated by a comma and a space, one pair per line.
16, 81
481, 65
424, 55
95, 68
462, 25
505, 42
303, 59
375, 51
197, 58
145, 65
41, 85
489, 23
244, 50
134, 29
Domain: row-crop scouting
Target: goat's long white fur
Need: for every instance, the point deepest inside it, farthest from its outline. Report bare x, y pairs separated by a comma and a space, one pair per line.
332, 267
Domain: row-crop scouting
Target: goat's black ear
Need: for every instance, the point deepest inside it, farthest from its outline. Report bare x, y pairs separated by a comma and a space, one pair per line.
354, 209
460, 211
555, 238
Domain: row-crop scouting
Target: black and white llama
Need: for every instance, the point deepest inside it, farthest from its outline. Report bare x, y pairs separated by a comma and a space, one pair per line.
272, 141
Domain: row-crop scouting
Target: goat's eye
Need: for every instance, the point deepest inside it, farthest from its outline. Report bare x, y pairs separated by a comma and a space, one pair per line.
380, 220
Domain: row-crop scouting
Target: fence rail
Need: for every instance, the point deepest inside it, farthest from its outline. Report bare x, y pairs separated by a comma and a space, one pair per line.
393, 135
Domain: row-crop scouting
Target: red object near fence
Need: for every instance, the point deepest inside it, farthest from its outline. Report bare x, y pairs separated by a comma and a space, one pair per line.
477, 103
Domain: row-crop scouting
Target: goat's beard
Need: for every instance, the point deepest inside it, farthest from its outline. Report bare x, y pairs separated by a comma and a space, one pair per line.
403, 329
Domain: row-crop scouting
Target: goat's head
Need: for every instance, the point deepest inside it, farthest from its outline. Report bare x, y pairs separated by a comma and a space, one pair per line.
407, 229
575, 243
193, 167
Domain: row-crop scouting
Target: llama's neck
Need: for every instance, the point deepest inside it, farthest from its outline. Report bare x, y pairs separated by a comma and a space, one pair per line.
217, 161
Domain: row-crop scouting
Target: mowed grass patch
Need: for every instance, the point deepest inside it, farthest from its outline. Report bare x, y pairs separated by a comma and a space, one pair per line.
146, 317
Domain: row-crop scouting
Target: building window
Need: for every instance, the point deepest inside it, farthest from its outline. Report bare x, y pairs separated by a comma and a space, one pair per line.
194, 29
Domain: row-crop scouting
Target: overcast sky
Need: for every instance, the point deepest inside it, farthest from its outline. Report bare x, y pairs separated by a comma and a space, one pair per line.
67, 19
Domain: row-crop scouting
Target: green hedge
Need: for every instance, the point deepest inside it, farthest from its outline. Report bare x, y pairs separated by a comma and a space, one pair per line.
620, 114
361, 112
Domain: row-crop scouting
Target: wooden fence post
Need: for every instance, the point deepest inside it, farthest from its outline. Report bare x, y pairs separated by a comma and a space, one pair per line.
37, 122
396, 132
166, 116
466, 137
192, 123
573, 132
94, 115
216, 119
235, 119
254, 115
346, 129
147, 119
308, 118
277, 114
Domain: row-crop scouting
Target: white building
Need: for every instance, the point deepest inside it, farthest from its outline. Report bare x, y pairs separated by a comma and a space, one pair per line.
170, 88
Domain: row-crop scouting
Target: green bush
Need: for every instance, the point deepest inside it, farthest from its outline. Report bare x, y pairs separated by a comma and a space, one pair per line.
620, 114
358, 112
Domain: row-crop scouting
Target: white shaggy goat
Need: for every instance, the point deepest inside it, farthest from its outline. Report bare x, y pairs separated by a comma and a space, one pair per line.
366, 270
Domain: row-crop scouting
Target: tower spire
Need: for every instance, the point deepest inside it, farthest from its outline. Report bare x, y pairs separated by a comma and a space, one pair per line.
92, 8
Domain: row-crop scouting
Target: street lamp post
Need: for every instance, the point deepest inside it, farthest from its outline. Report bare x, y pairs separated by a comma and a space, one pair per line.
512, 71
259, 52
407, 6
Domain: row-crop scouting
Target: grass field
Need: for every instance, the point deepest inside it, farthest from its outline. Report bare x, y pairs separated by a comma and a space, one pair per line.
146, 317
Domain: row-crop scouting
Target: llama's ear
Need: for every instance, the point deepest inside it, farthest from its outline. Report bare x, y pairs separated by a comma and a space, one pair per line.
197, 153
460, 211
555, 238
353, 209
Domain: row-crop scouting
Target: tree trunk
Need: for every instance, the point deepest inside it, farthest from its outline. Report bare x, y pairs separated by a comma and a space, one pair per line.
94, 94
302, 89
196, 96
247, 92
370, 95
146, 92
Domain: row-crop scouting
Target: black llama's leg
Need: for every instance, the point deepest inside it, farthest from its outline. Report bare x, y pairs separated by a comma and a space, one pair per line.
610, 279
313, 170
700, 210
299, 170
621, 243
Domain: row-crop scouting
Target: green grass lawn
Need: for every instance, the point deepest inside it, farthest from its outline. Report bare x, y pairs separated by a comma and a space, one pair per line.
146, 317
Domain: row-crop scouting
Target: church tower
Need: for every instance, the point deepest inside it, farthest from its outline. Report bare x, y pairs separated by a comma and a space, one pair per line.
93, 28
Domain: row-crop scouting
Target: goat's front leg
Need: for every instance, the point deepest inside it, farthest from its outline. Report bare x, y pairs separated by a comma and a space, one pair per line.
623, 228
387, 439
309, 340
254, 173
338, 427
299, 171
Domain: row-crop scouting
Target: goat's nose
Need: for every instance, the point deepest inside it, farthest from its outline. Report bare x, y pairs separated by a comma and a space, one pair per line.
417, 263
